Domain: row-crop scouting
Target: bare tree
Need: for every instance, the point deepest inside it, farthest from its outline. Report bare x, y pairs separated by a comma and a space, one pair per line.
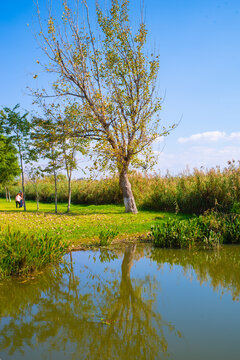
105, 67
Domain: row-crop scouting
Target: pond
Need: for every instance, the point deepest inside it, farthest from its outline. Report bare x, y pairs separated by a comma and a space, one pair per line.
136, 302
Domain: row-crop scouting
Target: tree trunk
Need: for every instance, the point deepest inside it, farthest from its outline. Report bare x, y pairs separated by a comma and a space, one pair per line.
23, 190
9, 196
6, 193
37, 200
126, 289
55, 182
69, 194
128, 262
126, 188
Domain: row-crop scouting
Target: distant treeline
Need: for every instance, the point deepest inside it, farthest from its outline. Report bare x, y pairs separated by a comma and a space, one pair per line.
187, 193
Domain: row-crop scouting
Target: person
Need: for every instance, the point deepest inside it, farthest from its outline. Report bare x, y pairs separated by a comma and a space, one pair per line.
21, 199
18, 200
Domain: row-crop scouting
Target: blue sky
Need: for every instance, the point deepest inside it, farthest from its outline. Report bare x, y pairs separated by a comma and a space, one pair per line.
199, 47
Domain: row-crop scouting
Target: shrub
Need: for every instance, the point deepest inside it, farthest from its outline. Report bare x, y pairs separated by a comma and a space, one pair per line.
205, 231
231, 229
236, 208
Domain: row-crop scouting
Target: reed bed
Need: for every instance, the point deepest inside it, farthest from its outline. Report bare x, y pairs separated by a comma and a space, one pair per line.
189, 193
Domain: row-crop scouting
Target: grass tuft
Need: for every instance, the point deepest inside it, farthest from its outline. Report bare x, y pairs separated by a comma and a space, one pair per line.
106, 236
22, 253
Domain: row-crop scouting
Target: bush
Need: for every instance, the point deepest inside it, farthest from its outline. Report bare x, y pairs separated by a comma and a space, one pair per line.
236, 208
231, 228
22, 253
207, 231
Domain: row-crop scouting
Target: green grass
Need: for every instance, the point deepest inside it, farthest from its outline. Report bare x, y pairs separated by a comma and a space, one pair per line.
84, 223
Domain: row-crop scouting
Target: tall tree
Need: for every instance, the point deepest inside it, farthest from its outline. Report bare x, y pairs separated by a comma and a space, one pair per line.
17, 129
45, 146
114, 81
67, 125
35, 173
9, 167
70, 124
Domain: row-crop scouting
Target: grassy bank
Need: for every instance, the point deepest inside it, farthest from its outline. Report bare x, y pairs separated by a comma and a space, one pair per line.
83, 225
30, 240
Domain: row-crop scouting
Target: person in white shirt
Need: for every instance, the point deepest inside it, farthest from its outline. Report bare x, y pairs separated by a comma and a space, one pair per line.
18, 200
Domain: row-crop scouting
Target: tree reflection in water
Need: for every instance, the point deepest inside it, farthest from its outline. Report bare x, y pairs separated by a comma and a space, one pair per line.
84, 317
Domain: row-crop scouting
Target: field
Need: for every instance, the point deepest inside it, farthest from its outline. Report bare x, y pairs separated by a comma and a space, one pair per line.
84, 223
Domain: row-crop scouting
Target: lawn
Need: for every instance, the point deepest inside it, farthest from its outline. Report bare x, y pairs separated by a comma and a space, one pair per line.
83, 224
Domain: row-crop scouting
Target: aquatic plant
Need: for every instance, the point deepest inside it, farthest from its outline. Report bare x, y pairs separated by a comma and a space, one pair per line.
106, 236
22, 253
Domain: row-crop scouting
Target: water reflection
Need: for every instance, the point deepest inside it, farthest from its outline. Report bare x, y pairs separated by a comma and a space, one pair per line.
108, 305
220, 268
84, 312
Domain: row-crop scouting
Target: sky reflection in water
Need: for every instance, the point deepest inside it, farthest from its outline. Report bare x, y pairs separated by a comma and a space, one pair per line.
133, 303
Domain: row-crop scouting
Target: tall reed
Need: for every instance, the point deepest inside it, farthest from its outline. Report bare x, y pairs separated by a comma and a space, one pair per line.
191, 193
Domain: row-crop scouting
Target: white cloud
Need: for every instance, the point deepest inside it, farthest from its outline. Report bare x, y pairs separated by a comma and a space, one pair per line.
159, 139
205, 136
197, 156
210, 136
234, 136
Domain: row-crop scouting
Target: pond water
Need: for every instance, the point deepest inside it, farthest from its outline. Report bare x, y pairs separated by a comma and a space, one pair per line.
131, 303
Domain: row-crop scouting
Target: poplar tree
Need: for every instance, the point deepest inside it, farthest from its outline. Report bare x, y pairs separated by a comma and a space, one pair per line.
45, 146
106, 68
35, 174
68, 125
63, 126
17, 128
9, 167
